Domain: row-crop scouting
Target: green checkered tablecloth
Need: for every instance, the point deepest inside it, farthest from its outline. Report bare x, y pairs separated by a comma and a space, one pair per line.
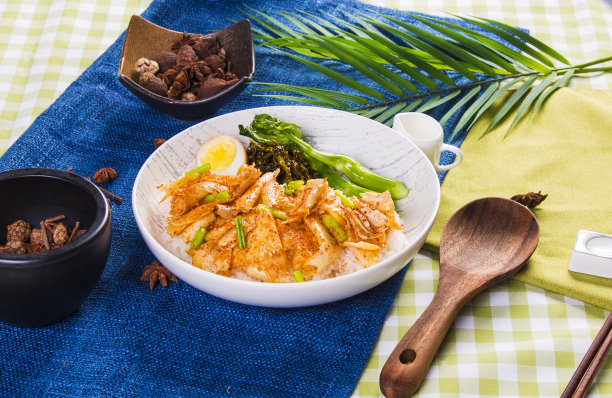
511, 340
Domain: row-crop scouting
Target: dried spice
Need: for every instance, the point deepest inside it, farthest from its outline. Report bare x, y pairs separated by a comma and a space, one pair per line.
291, 163
105, 174
53, 234
530, 199
155, 272
18, 231
196, 67
146, 65
157, 142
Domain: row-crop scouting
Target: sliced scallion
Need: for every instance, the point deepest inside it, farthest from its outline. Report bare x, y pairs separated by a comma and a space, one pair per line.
223, 195
334, 228
199, 238
240, 232
281, 215
292, 186
345, 201
297, 275
204, 168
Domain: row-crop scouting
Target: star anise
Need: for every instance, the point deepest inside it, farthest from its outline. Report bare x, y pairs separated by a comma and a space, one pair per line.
530, 199
185, 40
155, 272
105, 174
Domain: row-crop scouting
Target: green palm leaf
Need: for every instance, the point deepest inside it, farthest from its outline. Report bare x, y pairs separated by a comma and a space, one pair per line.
509, 103
562, 82
394, 54
514, 56
502, 34
529, 39
459, 104
529, 99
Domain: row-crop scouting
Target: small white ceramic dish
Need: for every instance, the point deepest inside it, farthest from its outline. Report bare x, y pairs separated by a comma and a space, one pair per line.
378, 147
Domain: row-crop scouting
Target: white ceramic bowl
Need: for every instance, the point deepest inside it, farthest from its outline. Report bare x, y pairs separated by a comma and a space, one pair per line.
378, 147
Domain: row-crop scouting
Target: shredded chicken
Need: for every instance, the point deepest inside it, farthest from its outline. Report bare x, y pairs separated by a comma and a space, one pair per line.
284, 233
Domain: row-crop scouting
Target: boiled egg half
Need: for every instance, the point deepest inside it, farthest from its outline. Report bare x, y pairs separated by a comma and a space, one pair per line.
224, 153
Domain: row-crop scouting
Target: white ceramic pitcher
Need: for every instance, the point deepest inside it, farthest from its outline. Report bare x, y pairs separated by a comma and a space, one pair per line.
427, 134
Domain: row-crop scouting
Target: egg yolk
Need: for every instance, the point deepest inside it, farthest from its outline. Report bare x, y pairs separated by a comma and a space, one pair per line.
219, 153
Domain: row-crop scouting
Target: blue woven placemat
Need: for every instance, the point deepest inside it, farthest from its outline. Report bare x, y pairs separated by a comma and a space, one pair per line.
177, 341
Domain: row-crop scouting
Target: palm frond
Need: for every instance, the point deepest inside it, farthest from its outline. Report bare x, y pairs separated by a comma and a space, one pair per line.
422, 66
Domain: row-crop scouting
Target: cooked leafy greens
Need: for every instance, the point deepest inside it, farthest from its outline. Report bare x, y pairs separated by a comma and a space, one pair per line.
290, 162
267, 130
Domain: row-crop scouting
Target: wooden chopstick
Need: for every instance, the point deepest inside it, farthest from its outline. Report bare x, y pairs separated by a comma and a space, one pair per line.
585, 372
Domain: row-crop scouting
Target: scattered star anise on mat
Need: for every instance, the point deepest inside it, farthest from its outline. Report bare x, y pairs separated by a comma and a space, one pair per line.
530, 199
155, 272
105, 174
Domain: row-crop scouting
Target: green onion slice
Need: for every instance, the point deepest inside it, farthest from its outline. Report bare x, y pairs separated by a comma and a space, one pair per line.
292, 186
222, 195
281, 215
334, 228
240, 232
345, 201
297, 275
205, 167
217, 196
199, 238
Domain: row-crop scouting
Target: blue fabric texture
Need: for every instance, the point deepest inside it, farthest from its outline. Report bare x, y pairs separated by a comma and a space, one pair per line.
177, 341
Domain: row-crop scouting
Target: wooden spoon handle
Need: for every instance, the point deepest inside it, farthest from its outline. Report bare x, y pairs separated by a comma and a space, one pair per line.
409, 362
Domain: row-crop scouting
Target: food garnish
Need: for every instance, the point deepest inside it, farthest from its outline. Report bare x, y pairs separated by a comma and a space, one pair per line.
267, 130
199, 238
334, 228
297, 275
155, 272
292, 186
224, 153
200, 169
240, 233
281, 215
290, 162
345, 201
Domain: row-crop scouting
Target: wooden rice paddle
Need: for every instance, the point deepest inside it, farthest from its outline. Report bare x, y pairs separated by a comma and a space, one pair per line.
484, 242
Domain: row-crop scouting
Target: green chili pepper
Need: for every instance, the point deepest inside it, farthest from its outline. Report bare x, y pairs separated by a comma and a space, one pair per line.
334, 228
209, 198
199, 238
297, 275
275, 213
240, 232
204, 168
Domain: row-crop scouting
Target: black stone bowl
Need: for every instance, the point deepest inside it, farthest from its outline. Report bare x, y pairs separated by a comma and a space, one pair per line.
146, 39
39, 289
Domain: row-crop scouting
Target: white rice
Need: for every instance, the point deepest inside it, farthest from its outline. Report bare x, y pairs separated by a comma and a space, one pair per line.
347, 262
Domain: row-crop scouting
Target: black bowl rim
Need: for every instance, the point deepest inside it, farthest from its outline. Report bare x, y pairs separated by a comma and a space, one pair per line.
97, 227
244, 79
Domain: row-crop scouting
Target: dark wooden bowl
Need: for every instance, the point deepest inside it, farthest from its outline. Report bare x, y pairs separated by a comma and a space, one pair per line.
146, 39
38, 289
